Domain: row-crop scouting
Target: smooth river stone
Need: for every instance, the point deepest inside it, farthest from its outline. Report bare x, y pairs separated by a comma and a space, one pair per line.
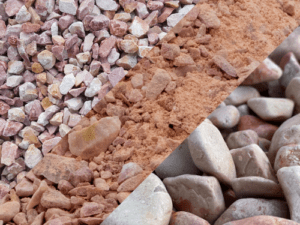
288, 133
289, 179
225, 117
272, 109
148, 204
200, 195
186, 218
256, 187
210, 152
241, 95
248, 207
287, 156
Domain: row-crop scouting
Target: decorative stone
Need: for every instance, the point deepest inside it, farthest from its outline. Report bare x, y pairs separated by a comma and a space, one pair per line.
143, 202
189, 193
207, 146
93, 140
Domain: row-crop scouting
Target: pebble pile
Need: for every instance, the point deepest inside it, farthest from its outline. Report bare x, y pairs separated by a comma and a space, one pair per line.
240, 166
105, 157
59, 59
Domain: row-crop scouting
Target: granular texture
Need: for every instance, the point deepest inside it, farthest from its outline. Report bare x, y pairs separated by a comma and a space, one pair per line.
157, 105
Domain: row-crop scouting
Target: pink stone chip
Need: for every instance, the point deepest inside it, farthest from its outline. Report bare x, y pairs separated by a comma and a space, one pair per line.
9, 153
12, 7
118, 28
106, 46
11, 128
49, 144
116, 75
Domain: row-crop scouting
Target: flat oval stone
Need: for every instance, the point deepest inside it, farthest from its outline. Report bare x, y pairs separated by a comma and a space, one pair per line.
256, 187
225, 117
241, 95
272, 109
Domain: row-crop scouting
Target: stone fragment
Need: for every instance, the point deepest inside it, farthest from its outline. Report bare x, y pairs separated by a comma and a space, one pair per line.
143, 202
96, 138
49, 144
241, 139
8, 153
183, 60
55, 199
90, 209
16, 114
8, 210
209, 17
67, 83
200, 195
256, 187
74, 103
289, 179
129, 170
36, 198
99, 22
207, 147
107, 5
56, 168
252, 161
12, 7
118, 28
174, 19
11, 128
170, 51
106, 46
23, 15
272, 109
68, 6
224, 65
93, 88
46, 59
77, 28
24, 188
158, 83
4, 108
15, 67
32, 156
86, 7
116, 76
27, 92
248, 207
138, 28
127, 61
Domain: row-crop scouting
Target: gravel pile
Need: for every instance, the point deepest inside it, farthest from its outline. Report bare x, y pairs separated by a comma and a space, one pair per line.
58, 59
105, 157
240, 166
